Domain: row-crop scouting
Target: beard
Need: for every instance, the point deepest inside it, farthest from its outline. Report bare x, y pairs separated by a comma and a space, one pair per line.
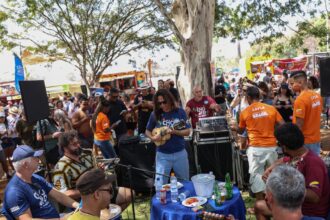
75, 152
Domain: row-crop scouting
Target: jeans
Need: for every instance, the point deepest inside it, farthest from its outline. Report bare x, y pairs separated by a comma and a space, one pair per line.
315, 147
106, 149
178, 161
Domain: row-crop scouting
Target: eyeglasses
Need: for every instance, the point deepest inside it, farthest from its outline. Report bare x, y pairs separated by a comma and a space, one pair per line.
163, 102
110, 191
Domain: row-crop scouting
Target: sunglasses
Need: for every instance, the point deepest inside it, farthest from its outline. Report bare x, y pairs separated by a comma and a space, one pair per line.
163, 102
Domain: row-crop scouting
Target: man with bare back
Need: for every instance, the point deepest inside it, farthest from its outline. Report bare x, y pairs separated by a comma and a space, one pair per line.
81, 122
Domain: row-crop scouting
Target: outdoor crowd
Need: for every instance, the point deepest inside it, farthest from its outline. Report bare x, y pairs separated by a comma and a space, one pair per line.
274, 117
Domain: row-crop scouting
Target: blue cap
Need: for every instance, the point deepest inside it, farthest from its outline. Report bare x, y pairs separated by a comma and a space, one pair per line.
23, 151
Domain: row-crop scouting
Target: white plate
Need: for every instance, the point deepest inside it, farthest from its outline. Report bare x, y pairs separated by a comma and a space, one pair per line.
199, 201
168, 186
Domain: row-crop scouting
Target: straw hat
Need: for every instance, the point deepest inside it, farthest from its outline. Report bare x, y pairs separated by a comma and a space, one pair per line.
13, 110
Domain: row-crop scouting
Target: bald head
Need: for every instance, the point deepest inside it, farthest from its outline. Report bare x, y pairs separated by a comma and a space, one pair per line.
198, 93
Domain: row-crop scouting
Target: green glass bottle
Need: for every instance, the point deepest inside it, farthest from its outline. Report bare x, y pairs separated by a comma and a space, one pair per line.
217, 195
229, 187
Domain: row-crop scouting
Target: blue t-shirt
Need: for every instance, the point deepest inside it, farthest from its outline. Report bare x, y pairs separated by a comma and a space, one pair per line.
175, 143
20, 196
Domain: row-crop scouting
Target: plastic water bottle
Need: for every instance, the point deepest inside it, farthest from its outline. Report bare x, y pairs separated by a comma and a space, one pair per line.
184, 195
174, 188
158, 187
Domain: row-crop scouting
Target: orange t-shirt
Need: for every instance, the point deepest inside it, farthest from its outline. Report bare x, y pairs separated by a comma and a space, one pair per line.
308, 106
259, 120
102, 122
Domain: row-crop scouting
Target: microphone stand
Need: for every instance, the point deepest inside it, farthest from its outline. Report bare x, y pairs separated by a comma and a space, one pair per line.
129, 171
48, 171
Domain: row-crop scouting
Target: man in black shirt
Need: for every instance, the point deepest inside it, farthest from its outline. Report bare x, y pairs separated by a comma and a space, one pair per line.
169, 84
220, 95
116, 113
143, 103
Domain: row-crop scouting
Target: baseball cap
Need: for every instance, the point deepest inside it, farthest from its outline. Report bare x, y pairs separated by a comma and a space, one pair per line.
2, 115
23, 151
93, 179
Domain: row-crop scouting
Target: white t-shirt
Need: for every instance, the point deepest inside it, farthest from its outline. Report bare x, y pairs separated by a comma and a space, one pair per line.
12, 120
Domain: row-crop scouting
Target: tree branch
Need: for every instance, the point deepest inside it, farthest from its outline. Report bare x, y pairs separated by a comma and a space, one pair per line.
170, 21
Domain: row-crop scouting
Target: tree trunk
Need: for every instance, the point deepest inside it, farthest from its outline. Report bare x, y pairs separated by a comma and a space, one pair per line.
194, 19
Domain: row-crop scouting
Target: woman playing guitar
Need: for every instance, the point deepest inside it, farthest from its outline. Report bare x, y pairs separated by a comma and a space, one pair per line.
172, 153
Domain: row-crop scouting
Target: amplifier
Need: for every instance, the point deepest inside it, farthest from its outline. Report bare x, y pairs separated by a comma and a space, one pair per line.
216, 123
212, 129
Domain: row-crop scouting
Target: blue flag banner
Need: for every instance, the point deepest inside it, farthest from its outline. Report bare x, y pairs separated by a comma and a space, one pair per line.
19, 72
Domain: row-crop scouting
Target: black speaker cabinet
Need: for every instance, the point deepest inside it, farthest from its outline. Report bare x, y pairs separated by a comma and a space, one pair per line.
216, 157
141, 156
324, 64
35, 100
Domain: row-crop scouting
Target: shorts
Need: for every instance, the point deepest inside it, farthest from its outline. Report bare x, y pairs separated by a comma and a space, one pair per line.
259, 159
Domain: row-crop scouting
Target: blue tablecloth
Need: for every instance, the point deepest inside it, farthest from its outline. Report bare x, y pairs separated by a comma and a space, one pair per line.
176, 211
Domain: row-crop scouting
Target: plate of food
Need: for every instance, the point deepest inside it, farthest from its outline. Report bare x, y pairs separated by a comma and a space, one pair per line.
167, 187
194, 201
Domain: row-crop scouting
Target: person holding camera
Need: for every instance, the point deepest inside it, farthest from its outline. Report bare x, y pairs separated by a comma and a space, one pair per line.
143, 103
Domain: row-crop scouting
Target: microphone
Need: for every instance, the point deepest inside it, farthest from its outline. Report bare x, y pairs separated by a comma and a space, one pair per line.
112, 161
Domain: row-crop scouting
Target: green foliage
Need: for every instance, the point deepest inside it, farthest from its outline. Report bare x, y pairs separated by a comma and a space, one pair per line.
90, 34
241, 18
310, 37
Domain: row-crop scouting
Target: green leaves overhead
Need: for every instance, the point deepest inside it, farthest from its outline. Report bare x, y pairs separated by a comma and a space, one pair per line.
90, 34
241, 18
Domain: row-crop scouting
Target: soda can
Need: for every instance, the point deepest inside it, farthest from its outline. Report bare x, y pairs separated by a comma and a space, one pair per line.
163, 196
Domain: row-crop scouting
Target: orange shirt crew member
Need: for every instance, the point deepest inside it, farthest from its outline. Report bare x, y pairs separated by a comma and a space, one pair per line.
259, 120
102, 130
307, 112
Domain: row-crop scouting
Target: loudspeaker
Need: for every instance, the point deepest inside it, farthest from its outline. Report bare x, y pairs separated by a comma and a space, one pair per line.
216, 157
140, 156
324, 64
35, 100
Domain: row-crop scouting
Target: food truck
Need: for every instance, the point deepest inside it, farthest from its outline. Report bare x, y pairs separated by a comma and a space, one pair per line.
127, 82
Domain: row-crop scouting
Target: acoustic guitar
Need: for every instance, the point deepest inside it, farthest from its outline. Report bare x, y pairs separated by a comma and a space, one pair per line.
162, 131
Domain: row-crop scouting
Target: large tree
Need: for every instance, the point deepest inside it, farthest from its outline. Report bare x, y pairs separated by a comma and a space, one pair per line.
195, 22
192, 24
90, 34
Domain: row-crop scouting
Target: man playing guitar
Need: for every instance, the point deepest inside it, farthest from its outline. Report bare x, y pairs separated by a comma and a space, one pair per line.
171, 154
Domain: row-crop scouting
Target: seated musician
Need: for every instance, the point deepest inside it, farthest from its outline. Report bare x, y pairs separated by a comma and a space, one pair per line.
172, 153
200, 106
316, 202
27, 194
96, 192
73, 164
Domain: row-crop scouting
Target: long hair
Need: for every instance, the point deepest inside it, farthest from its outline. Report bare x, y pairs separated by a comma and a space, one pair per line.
61, 118
168, 97
288, 93
102, 104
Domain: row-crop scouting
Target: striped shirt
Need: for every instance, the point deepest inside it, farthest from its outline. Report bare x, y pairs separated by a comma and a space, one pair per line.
67, 171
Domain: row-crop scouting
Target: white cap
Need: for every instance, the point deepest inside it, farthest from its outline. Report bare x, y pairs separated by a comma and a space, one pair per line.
2, 114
